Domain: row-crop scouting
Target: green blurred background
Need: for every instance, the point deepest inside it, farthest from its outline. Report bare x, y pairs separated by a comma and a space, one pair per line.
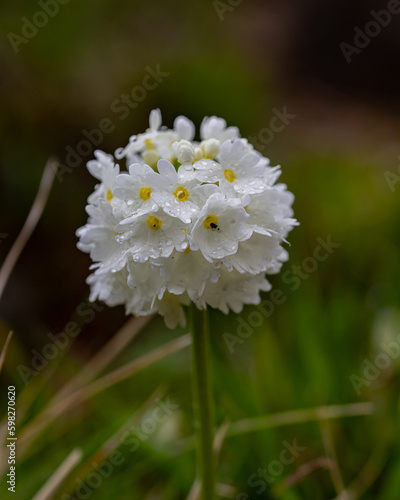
339, 152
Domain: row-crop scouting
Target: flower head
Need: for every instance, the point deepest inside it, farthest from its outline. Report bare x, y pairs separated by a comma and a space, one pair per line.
189, 221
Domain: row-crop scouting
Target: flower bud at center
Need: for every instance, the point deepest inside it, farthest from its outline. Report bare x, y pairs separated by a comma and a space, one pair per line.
181, 193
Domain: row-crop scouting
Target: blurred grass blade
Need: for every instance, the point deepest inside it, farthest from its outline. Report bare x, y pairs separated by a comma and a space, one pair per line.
55, 481
48, 415
300, 416
89, 372
194, 493
370, 472
220, 437
225, 490
330, 451
33, 218
4, 350
129, 369
105, 356
301, 473
114, 441
286, 418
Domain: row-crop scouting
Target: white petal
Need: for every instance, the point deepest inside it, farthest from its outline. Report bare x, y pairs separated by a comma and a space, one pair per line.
155, 119
167, 170
184, 128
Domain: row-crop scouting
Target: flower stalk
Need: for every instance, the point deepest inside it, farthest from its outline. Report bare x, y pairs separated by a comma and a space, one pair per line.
202, 401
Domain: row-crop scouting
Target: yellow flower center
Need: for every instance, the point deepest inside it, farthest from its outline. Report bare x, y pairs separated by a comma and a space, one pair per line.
149, 144
229, 175
110, 196
181, 193
211, 222
154, 223
145, 193
187, 250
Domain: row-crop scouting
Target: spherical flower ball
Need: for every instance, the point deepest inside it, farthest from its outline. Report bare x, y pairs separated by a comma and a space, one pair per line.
188, 221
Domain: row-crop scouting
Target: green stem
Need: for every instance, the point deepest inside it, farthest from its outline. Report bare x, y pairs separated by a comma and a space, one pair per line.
202, 401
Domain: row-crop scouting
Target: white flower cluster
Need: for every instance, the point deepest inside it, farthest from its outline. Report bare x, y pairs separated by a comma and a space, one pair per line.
189, 221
